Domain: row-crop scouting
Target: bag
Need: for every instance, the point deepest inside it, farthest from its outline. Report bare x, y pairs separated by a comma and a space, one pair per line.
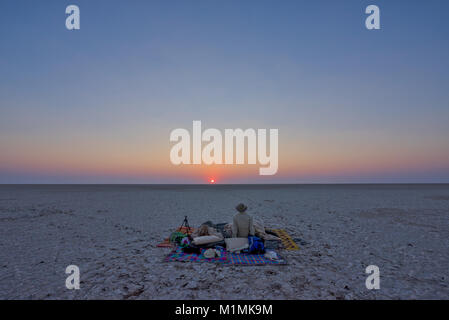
255, 245
211, 253
176, 237
192, 249
236, 244
206, 240
185, 242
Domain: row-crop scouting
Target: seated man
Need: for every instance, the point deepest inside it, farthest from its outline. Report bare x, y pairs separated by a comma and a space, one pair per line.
242, 225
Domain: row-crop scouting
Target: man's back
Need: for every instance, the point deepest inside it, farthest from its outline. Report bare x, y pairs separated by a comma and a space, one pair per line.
242, 225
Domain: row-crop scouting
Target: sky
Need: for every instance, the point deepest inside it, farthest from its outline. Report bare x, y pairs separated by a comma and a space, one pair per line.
97, 105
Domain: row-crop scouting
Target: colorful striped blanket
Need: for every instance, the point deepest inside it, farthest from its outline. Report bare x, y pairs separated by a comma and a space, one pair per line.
227, 258
179, 255
251, 259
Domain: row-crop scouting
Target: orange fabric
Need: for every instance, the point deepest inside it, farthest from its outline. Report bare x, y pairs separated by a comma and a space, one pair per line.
185, 230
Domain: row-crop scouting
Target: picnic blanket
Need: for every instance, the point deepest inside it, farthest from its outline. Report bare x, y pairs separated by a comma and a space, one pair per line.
251, 259
226, 258
179, 255
286, 240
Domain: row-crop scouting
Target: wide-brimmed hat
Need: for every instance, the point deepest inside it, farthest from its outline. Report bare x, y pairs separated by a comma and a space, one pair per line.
241, 207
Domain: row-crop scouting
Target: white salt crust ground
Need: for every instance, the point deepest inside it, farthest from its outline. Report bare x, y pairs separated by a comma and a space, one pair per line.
111, 233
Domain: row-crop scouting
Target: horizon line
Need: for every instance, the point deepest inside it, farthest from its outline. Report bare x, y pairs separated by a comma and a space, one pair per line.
227, 184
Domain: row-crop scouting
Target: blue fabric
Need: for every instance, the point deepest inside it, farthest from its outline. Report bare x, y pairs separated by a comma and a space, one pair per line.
255, 245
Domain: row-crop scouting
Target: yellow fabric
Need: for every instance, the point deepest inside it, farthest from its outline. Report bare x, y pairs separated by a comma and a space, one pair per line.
286, 240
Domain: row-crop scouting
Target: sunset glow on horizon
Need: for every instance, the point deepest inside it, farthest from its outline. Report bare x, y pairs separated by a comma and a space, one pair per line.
97, 105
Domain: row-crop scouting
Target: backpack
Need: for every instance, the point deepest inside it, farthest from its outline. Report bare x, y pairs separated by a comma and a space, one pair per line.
255, 245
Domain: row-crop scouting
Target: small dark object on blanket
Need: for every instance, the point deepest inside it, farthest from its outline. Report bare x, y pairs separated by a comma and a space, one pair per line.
192, 249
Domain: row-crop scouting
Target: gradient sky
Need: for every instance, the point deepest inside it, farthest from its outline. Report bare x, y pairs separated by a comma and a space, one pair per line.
97, 105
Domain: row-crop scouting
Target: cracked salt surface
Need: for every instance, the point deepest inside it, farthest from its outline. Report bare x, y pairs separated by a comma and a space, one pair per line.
110, 232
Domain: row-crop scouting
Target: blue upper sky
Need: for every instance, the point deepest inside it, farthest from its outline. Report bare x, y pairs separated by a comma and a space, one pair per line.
137, 69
